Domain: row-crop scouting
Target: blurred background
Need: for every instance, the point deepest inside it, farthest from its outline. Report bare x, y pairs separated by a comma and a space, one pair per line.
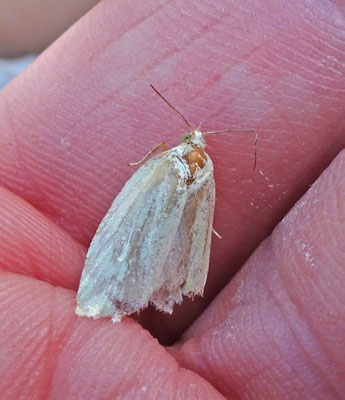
28, 27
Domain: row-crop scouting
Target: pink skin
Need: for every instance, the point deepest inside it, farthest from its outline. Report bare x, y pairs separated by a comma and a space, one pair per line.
69, 126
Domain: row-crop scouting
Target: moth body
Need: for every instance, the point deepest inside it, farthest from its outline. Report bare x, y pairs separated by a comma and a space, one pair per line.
153, 245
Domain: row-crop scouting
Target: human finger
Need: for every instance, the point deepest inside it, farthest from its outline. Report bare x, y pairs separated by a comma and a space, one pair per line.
277, 330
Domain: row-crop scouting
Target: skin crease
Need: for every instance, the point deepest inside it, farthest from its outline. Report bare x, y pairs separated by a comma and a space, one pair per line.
73, 120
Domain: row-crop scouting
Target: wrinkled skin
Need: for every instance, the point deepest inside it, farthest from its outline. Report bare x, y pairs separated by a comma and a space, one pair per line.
73, 120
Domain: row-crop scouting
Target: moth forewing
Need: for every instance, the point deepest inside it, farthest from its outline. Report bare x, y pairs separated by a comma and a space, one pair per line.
186, 266
153, 245
123, 264
200, 209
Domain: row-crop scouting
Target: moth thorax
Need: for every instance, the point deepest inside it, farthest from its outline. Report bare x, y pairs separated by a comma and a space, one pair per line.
195, 158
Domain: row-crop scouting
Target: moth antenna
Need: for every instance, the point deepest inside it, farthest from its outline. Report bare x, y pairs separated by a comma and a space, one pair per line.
171, 106
240, 130
229, 130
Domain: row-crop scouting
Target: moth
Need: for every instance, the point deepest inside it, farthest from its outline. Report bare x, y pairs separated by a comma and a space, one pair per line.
153, 245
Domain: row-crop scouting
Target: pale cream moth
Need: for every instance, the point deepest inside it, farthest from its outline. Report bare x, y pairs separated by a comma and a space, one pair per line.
153, 245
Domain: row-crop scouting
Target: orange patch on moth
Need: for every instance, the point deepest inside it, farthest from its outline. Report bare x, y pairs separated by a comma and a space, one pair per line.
195, 158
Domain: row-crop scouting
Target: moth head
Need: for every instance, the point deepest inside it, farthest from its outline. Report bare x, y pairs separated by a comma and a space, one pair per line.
194, 138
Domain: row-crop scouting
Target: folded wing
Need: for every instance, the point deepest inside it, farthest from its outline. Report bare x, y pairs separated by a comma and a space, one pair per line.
152, 245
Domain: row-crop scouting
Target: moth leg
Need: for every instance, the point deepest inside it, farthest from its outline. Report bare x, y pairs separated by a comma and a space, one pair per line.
163, 145
216, 233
